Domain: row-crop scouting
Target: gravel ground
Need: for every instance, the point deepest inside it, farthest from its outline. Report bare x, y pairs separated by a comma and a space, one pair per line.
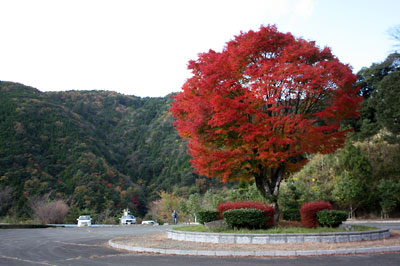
161, 241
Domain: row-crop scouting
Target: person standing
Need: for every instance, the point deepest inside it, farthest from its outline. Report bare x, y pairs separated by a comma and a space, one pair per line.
175, 216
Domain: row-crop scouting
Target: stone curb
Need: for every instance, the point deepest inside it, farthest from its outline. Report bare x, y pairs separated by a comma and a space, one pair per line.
372, 222
271, 253
229, 238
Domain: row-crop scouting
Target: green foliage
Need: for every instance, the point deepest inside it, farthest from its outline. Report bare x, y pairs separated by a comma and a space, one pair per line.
348, 193
356, 163
245, 218
212, 198
193, 204
389, 195
290, 201
345, 177
331, 218
353, 185
388, 105
291, 214
380, 109
207, 216
245, 192
314, 182
349, 178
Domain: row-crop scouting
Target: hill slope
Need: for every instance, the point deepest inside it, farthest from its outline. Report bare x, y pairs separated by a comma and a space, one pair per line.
96, 149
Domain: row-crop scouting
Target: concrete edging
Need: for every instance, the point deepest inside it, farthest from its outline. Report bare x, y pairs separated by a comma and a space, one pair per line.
271, 253
226, 238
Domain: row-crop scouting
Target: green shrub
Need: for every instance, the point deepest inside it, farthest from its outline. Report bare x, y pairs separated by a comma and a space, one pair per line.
331, 218
207, 216
291, 215
245, 218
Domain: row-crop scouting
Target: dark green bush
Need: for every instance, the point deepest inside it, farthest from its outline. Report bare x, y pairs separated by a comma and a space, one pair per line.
245, 218
24, 226
331, 218
207, 216
291, 215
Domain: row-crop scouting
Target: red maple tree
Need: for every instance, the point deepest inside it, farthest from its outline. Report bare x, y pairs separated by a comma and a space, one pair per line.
254, 110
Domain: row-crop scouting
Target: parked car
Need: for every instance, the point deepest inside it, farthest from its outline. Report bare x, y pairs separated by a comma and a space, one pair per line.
148, 222
128, 219
84, 220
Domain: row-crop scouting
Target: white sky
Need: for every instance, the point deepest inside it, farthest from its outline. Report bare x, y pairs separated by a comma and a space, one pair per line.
142, 47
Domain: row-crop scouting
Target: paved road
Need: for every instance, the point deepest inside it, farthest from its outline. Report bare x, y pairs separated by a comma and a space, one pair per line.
87, 246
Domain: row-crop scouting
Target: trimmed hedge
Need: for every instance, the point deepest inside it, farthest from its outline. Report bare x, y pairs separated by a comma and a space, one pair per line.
245, 218
207, 216
331, 218
267, 210
308, 212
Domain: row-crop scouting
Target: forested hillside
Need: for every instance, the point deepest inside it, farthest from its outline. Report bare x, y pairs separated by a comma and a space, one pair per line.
97, 150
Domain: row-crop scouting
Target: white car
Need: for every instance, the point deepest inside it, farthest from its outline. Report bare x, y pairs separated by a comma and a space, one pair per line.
128, 219
84, 220
148, 222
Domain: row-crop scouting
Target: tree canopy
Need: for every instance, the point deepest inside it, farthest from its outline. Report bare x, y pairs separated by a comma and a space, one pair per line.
258, 107
381, 109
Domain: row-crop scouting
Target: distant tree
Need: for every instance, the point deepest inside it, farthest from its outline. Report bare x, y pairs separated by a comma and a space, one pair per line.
248, 192
368, 78
388, 105
381, 90
354, 185
389, 195
356, 163
212, 198
258, 107
162, 208
49, 212
348, 192
314, 182
193, 205
107, 216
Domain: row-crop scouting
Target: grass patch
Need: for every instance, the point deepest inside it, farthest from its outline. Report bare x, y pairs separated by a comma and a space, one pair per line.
274, 230
15, 220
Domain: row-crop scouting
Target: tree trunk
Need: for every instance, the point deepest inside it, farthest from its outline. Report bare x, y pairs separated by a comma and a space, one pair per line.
268, 183
353, 211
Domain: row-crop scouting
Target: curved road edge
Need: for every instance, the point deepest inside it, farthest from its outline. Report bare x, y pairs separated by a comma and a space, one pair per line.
272, 253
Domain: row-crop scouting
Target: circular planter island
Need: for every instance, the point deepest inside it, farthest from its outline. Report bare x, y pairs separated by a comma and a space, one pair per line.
232, 238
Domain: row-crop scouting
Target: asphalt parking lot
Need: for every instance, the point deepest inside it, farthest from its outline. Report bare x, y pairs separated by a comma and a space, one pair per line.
88, 246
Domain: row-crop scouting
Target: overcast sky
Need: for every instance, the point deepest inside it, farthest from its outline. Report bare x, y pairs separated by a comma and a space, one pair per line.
142, 47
